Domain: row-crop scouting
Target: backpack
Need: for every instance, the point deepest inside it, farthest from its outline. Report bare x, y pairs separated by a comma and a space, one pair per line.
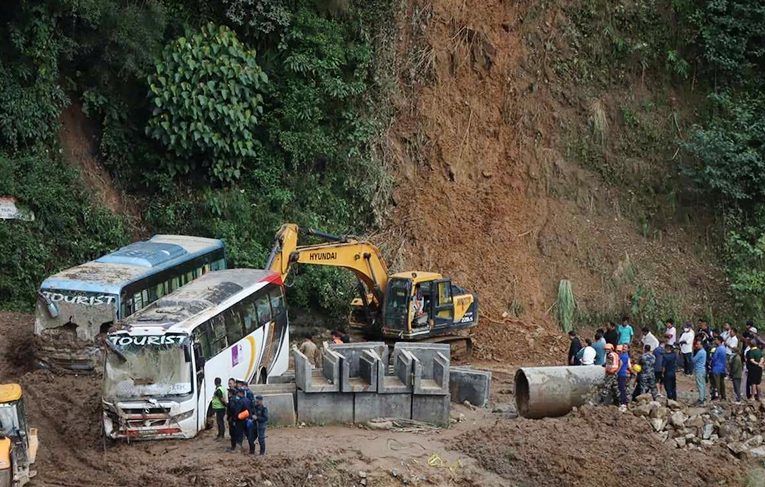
613, 363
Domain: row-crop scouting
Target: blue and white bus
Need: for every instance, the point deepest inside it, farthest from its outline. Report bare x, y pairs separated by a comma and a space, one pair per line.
161, 362
74, 306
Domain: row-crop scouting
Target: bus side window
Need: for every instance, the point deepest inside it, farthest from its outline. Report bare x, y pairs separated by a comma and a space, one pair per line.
277, 301
202, 337
249, 317
218, 265
219, 335
264, 310
137, 301
233, 325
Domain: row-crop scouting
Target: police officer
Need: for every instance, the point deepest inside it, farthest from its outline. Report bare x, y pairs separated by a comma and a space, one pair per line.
260, 411
241, 412
234, 408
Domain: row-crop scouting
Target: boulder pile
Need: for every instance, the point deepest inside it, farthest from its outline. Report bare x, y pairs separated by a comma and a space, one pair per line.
738, 426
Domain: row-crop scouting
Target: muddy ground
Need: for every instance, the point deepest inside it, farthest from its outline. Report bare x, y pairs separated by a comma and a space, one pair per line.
487, 447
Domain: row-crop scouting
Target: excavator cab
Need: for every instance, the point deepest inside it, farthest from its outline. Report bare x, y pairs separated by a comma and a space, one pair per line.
425, 304
18, 442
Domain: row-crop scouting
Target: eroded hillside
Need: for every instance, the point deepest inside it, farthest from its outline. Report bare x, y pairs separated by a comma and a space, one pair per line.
496, 146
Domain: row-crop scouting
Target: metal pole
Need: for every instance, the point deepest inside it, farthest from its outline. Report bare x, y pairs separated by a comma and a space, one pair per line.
553, 391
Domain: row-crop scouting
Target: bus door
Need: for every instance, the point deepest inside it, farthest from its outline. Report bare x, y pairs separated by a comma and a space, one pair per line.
201, 386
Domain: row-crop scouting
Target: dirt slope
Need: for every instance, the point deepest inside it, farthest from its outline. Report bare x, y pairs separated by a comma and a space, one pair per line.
486, 192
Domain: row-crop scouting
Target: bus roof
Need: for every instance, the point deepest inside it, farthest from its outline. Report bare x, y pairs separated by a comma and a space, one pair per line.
110, 273
204, 294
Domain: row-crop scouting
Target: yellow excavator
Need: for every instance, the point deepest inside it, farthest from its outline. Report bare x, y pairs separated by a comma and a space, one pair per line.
18, 442
406, 306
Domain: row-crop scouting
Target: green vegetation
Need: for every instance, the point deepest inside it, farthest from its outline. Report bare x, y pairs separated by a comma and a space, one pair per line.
224, 118
206, 93
710, 51
68, 228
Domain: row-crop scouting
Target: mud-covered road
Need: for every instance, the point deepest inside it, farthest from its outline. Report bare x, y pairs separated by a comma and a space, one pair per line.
487, 447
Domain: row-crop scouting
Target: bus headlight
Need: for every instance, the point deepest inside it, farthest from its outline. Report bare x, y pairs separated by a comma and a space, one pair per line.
183, 416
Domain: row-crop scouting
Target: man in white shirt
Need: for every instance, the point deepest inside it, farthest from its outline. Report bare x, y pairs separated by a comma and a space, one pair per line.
588, 354
649, 339
669, 334
686, 348
725, 332
731, 343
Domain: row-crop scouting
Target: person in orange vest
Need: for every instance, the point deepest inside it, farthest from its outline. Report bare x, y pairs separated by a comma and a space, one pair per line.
609, 394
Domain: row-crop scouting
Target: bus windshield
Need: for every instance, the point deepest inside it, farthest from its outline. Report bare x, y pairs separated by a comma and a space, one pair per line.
147, 366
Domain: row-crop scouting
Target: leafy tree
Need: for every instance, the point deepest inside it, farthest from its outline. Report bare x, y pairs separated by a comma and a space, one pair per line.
31, 98
207, 100
730, 150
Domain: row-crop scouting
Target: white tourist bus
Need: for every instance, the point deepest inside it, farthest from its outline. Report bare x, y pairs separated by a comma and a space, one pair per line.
161, 364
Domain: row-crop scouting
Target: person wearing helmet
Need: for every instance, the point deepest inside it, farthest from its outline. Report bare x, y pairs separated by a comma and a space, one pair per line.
623, 375
609, 393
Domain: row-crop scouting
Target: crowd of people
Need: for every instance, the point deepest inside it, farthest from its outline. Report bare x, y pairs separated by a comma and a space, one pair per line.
245, 414
712, 356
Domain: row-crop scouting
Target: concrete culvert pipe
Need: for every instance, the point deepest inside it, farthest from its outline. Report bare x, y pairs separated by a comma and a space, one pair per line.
553, 391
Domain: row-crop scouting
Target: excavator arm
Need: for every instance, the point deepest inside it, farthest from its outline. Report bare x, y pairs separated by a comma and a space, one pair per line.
360, 257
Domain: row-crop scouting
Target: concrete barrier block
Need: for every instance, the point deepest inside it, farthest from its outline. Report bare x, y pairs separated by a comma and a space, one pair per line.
431, 409
324, 408
281, 407
303, 369
468, 384
285, 378
368, 406
352, 352
425, 352
431, 385
369, 368
400, 379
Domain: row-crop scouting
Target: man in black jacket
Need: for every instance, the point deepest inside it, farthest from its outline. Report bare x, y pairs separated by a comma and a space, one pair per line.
574, 348
612, 335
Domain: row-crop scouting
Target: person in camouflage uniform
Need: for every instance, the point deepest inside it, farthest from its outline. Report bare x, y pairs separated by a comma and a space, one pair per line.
647, 378
609, 392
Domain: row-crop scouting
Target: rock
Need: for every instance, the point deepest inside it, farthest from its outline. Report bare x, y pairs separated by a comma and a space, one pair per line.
268, 483
645, 398
737, 448
394, 473
680, 442
672, 404
660, 412
363, 481
694, 422
758, 452
467, 404
658, 424
642, 410
663, 436
677, 419
753, 442
707, 430
362, 474
707, 443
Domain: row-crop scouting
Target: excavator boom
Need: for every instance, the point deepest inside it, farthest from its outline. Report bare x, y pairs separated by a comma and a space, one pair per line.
362, 258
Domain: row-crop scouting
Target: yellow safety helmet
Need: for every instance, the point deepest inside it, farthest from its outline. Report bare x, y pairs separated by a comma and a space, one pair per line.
636, 368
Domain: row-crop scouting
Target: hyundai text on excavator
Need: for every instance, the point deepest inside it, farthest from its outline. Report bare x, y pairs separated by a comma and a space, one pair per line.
18, 442
406, 306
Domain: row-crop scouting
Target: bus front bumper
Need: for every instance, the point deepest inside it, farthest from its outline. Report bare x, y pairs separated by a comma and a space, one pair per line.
145, 421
